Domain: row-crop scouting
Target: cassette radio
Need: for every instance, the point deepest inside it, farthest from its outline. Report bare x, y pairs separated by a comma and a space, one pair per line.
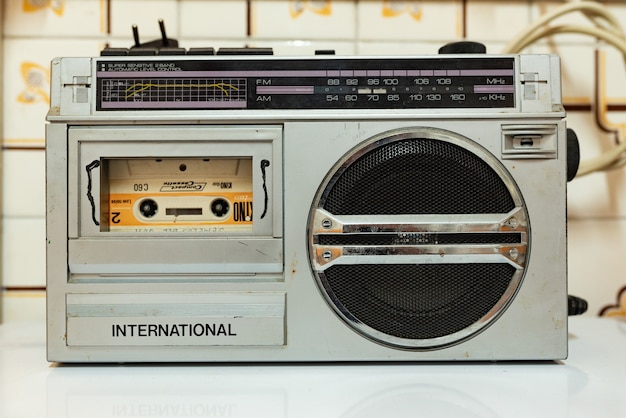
260, 208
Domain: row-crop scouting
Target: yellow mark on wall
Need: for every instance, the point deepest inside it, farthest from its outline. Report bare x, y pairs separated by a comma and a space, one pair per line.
25, 143
602, 102
23, 294
57, 6
104, 16
619, 309
36, 78
320, 7
394, 8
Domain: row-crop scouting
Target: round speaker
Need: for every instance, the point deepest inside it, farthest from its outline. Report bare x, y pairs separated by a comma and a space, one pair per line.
418, 238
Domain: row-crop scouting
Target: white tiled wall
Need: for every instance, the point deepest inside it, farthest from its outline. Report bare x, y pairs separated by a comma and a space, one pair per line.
33, 32
1, 163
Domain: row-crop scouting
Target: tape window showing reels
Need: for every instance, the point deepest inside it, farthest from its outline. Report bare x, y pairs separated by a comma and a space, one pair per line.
418, 238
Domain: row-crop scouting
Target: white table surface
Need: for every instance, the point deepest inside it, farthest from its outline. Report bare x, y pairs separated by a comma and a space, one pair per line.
590, 383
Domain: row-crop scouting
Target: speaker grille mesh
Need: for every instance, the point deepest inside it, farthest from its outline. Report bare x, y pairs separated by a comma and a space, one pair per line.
419, 301
418, 176
404, 304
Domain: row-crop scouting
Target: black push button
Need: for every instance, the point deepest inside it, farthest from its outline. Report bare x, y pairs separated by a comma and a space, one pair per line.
142, 51
201, 51
114, 52
168, 50
463, 47
245, 51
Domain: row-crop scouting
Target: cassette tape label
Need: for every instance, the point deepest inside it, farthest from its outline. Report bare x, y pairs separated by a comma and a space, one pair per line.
176, 186
178, 195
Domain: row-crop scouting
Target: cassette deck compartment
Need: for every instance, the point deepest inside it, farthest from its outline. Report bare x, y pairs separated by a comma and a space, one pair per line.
209, 166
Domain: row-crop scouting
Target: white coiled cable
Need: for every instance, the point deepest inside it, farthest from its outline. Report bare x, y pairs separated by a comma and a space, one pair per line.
605, 27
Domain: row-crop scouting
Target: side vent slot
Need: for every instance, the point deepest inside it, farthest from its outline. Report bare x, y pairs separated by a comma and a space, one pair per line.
529, 141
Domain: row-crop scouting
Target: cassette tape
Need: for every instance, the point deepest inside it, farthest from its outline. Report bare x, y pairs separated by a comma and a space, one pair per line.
177, 194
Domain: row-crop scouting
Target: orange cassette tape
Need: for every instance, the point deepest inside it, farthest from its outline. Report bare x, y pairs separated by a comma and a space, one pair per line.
177, 194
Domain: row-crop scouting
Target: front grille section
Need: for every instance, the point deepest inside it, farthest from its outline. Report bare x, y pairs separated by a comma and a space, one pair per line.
418, 176
413, 301
419, 239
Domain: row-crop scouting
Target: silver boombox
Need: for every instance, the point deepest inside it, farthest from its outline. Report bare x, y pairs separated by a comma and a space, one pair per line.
257, 208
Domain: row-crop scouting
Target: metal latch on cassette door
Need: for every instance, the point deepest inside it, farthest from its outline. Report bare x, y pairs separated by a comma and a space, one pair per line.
80, 88
531, 82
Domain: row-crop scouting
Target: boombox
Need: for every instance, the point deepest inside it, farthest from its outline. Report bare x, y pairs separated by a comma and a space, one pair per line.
238, 208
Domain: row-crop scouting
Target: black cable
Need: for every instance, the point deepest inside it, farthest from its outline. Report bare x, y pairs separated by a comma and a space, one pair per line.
576, 305
264, 165
91, 166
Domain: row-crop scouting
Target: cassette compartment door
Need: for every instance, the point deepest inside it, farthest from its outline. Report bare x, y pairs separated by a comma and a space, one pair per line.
175, 200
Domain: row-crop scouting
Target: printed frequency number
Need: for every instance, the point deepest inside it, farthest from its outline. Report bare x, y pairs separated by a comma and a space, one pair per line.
388, 89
